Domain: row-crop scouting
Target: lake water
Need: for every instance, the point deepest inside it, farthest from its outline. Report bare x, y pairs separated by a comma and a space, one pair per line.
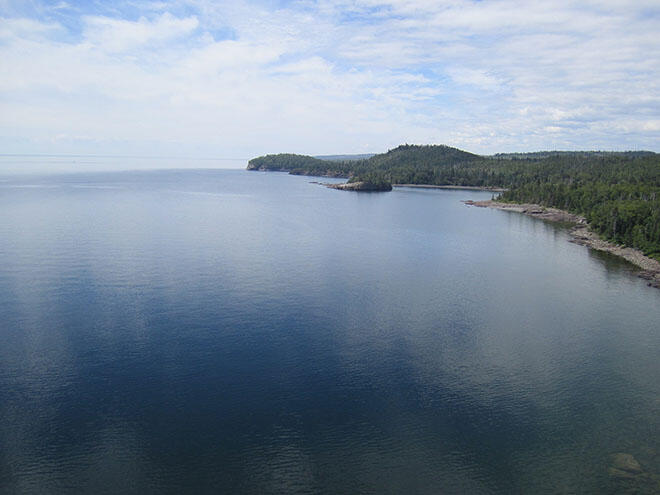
226, 331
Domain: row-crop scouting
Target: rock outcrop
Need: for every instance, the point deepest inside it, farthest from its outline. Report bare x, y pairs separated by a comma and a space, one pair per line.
361, 186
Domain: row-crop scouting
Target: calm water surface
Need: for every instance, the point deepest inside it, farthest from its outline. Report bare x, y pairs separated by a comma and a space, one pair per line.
244, 332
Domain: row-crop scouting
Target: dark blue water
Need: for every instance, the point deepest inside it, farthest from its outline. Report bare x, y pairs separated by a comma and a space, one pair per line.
245, 332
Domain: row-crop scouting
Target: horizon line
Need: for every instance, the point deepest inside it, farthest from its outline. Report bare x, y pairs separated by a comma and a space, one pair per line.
95, 155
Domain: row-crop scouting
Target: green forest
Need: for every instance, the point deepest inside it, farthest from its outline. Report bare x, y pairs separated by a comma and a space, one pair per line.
617, 192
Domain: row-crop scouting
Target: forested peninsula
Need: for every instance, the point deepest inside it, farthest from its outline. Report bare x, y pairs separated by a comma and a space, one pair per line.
618, 193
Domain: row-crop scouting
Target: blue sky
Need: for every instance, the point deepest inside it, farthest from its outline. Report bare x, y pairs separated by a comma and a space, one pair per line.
206, 78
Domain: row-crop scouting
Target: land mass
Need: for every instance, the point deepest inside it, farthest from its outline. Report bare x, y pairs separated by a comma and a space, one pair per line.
616, 193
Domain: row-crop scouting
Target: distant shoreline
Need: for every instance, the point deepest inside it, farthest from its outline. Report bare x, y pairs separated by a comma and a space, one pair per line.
418, 186
582, 234
468, 188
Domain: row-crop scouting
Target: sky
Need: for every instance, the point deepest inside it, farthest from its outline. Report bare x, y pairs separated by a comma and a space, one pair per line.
215, 79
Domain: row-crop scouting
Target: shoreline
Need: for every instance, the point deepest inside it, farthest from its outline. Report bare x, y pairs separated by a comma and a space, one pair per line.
341, 185
582, 234
467, 188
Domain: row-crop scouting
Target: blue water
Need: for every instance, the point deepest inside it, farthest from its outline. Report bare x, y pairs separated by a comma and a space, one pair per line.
245, 332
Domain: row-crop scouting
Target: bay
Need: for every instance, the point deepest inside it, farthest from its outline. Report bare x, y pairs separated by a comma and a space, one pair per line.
192, 331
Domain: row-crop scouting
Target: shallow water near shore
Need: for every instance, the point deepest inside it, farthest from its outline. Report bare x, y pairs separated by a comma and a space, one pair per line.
246, 332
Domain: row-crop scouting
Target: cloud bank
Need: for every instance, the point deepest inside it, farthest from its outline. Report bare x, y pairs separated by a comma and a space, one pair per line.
239, 79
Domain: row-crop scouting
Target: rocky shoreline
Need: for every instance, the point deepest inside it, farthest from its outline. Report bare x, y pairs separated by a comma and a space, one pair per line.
581, 234
357, 186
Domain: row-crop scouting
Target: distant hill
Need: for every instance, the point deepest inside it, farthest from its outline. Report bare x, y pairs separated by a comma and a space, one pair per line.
429, 157
421, 156
283, 162
301, 165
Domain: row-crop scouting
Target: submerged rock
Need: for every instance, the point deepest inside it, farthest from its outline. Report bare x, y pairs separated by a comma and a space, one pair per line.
626, 462
628, 476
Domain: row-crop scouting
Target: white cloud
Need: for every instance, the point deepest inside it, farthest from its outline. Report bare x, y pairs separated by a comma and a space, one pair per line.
324, 77
15, 28
120, 35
